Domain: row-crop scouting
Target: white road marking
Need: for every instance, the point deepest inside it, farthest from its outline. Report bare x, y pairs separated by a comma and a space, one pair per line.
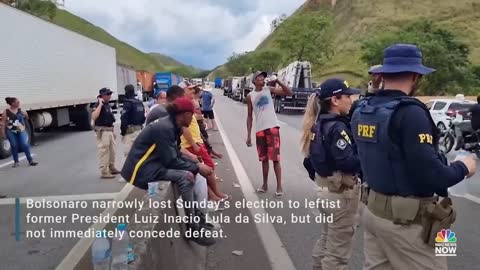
82, 246
277, 254
11, 162
282, 123
78, 197
467, 196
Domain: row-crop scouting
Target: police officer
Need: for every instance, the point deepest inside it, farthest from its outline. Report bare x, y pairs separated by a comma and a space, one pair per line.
374, 85
328, 145
133, 118
104, 119
398, 149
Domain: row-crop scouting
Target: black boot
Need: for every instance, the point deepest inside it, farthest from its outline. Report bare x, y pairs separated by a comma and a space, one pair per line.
203, 221
194, 227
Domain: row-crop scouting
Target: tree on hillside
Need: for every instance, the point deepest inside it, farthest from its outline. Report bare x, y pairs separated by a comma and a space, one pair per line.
266, 60
39, 8
239, 64
307, 38
440, 51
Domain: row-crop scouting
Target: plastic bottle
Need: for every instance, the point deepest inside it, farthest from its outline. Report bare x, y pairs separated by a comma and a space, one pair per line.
120, 249
101, 253
462, 154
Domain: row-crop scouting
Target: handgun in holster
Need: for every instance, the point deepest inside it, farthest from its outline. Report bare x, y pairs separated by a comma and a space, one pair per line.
435, 217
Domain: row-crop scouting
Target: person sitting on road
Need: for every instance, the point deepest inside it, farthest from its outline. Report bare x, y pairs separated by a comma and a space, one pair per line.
192, 141
14, 129
155, 156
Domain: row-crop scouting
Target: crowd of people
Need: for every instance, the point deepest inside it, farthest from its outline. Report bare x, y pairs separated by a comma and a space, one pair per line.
378, 154
166, 142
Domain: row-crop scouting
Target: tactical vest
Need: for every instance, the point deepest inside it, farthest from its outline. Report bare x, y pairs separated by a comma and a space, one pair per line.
136, 117
320, 157
106, 117
382, 161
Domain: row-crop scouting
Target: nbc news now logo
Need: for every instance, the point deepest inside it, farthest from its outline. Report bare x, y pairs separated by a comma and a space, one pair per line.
446, 243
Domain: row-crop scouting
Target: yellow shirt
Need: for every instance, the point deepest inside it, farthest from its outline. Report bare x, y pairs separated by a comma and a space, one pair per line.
195, 131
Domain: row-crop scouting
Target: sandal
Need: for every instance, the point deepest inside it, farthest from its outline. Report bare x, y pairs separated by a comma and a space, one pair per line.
261, 190
279, 194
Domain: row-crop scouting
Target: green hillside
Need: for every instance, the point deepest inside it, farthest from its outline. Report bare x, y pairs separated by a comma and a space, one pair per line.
126, 54
356, 20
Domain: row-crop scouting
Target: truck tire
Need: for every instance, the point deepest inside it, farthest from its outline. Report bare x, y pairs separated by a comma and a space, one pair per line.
4, 148
82, 118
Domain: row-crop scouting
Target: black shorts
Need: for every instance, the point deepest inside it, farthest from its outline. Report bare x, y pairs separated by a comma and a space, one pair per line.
208, 114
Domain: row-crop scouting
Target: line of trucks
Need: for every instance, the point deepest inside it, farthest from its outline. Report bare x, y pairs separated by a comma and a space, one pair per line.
65, 69
296, 75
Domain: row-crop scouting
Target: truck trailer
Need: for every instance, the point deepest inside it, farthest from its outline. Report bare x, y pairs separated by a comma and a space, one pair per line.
125, 75
164, 80
218, 82
54, 72
297, 76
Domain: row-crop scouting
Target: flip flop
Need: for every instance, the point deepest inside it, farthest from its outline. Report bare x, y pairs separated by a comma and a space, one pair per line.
279, 194
226, 198
261, 190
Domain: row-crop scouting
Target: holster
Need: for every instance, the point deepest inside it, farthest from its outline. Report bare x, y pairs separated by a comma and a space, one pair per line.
435, 217
99, 130
340, 182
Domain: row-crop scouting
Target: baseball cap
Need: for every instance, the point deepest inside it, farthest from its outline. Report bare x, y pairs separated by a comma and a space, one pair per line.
186, 84
370, 70
184, 104
258, 73
333, 87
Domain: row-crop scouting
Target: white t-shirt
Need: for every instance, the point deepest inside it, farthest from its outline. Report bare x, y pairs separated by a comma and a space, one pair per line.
262, 103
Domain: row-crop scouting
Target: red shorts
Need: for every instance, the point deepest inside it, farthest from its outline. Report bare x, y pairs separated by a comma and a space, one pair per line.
203, 153
268, 144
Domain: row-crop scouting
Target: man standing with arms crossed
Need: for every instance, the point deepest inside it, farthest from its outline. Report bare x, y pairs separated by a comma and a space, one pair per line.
267, 129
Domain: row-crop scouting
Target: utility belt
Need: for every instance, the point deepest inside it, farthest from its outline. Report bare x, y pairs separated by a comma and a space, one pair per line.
433, 215
99, 130
132, 129
338, 183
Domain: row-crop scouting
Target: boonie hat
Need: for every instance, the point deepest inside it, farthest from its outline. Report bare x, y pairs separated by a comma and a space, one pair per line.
333, 87
403, 58
104, 91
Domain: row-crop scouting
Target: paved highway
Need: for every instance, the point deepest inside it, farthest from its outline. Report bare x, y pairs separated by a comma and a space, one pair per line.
68, 167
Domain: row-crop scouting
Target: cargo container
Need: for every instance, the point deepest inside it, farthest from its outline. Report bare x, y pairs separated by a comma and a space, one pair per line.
218, 82
145, 81
125, 75
164, 80
56, 73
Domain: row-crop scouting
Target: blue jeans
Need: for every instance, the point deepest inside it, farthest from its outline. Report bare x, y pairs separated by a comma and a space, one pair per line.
18, 140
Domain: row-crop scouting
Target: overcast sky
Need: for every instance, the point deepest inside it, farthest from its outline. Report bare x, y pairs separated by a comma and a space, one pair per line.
202, 33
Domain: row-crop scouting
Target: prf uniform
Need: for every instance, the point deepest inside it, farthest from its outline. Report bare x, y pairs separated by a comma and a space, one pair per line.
132, 120
105, 139
398, 150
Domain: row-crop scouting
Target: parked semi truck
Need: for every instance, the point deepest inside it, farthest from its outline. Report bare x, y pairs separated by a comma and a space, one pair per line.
218, 82
164, 80
236, 88
297, 76
247, 87
65, 71
125, 75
